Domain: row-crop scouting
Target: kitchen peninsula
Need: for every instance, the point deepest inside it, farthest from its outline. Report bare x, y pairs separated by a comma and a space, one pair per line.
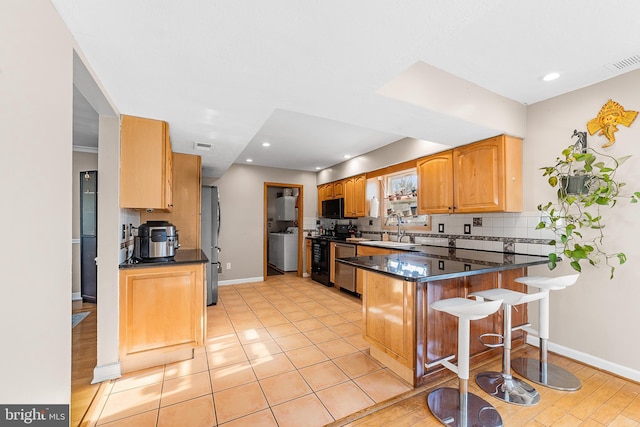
398, 289
162, 310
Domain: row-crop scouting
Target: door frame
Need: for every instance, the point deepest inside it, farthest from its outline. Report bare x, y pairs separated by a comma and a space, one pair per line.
265, 233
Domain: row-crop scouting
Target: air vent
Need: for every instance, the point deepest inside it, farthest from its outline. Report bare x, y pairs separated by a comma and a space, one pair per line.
202, 146
624, 64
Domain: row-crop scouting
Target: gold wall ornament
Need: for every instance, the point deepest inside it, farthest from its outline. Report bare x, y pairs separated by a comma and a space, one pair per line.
610, 116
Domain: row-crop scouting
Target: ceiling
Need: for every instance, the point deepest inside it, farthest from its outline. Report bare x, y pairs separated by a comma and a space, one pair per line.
305, 76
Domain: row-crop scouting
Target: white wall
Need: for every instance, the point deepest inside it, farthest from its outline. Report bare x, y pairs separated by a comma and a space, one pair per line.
36, 184
241, 191
598, 317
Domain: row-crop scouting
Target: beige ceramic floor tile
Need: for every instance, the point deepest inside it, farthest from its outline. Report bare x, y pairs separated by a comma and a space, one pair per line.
239, 401
337, 348
284, 387
309, 325
253, 335
271, 365
185, 388
344, 399
273, 320
261, 349
306, 411
198, 412
332, 320
381, 385
323, 375
138, 379
244, 324
299, 315
227, 356
346, 329
321, 335
262, 418
306, 356
231, 376
357, 364
291, 342
131, 402
146, 419
283, 330
358, 342
187, 367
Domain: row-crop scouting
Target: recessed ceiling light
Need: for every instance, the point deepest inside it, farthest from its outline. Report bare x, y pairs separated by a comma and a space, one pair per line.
318, 168
550, 76
266, 144
249, 160
347, 156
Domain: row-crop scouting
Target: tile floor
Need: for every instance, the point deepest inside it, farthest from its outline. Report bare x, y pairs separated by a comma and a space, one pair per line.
284, 352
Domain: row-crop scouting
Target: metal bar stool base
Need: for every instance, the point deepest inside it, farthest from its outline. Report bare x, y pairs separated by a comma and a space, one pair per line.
444, 404
546, 374
511, 390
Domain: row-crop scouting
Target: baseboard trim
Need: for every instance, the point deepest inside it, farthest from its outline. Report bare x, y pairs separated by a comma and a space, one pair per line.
76, 296
587, 359
239, 281
106, 372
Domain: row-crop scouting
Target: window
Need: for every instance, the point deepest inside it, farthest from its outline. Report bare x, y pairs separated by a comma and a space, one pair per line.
400, 201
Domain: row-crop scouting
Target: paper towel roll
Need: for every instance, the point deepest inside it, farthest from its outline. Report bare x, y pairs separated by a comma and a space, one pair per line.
373, 207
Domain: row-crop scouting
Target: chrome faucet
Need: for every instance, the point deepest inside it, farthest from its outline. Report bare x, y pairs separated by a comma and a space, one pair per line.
398, 218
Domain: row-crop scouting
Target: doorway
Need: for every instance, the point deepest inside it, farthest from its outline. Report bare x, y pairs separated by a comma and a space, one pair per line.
280, 232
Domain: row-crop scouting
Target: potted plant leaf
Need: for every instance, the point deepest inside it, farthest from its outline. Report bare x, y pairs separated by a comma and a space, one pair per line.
586, 184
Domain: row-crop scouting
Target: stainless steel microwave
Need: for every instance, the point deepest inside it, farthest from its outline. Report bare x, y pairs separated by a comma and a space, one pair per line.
333, 208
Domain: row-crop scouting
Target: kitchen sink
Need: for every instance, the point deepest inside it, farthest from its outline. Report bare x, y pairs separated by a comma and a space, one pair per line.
387, 244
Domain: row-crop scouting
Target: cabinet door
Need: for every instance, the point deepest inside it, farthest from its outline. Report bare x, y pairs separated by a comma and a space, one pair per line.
435, 184
161, 308
338, 189
480, 181
185, 215
308, 260
359, 192
349, 193
145, 164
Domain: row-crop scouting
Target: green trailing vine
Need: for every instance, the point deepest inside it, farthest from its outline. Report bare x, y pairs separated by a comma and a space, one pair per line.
575, 212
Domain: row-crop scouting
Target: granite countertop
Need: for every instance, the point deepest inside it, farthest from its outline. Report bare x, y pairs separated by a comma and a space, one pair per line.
439, 263
183, 256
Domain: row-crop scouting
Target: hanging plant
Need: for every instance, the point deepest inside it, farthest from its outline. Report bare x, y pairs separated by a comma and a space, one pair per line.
578, 206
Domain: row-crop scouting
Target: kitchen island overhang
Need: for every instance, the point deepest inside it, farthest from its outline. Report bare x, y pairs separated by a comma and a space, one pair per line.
398, 288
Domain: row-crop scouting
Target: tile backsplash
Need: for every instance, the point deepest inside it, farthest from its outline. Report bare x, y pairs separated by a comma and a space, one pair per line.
500, 232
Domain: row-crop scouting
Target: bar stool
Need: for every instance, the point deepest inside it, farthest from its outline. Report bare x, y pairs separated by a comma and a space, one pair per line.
458, 407
540, 371
503, 385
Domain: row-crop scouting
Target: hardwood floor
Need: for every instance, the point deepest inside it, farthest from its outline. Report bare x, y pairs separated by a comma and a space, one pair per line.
603, 400
83, 360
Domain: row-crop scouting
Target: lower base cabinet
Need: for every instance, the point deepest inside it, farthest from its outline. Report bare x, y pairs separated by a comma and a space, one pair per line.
162, 314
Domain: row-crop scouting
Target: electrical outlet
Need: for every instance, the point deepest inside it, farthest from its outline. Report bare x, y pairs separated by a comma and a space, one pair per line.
467, 229
228, 266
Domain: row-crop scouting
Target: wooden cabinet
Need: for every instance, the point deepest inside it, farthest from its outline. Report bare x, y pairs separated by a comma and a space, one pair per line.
389, 322
308, 254
354, 196
162, 314
332, 262
145, 164
185, 215
485, 176
338, 189
325, 192
435, 183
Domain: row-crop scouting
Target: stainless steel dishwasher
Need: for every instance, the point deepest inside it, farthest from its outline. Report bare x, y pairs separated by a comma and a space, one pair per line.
345, 274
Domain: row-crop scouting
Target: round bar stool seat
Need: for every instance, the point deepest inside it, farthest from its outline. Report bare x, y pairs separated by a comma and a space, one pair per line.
503, 385
459, 407
540, 371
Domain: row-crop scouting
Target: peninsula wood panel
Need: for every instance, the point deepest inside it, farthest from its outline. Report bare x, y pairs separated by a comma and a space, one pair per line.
389, 316
185, 215
161, 308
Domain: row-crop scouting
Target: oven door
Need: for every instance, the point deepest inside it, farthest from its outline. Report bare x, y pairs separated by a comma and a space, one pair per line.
320, 261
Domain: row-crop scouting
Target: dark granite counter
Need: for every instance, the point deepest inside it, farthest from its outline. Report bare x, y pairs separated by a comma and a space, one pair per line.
183, 256
438, 263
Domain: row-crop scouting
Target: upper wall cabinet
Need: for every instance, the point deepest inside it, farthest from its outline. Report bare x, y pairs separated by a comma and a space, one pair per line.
354, 196
485, 176
145, 164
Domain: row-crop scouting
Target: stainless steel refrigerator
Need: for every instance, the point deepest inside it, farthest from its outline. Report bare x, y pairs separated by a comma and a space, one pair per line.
210, 226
